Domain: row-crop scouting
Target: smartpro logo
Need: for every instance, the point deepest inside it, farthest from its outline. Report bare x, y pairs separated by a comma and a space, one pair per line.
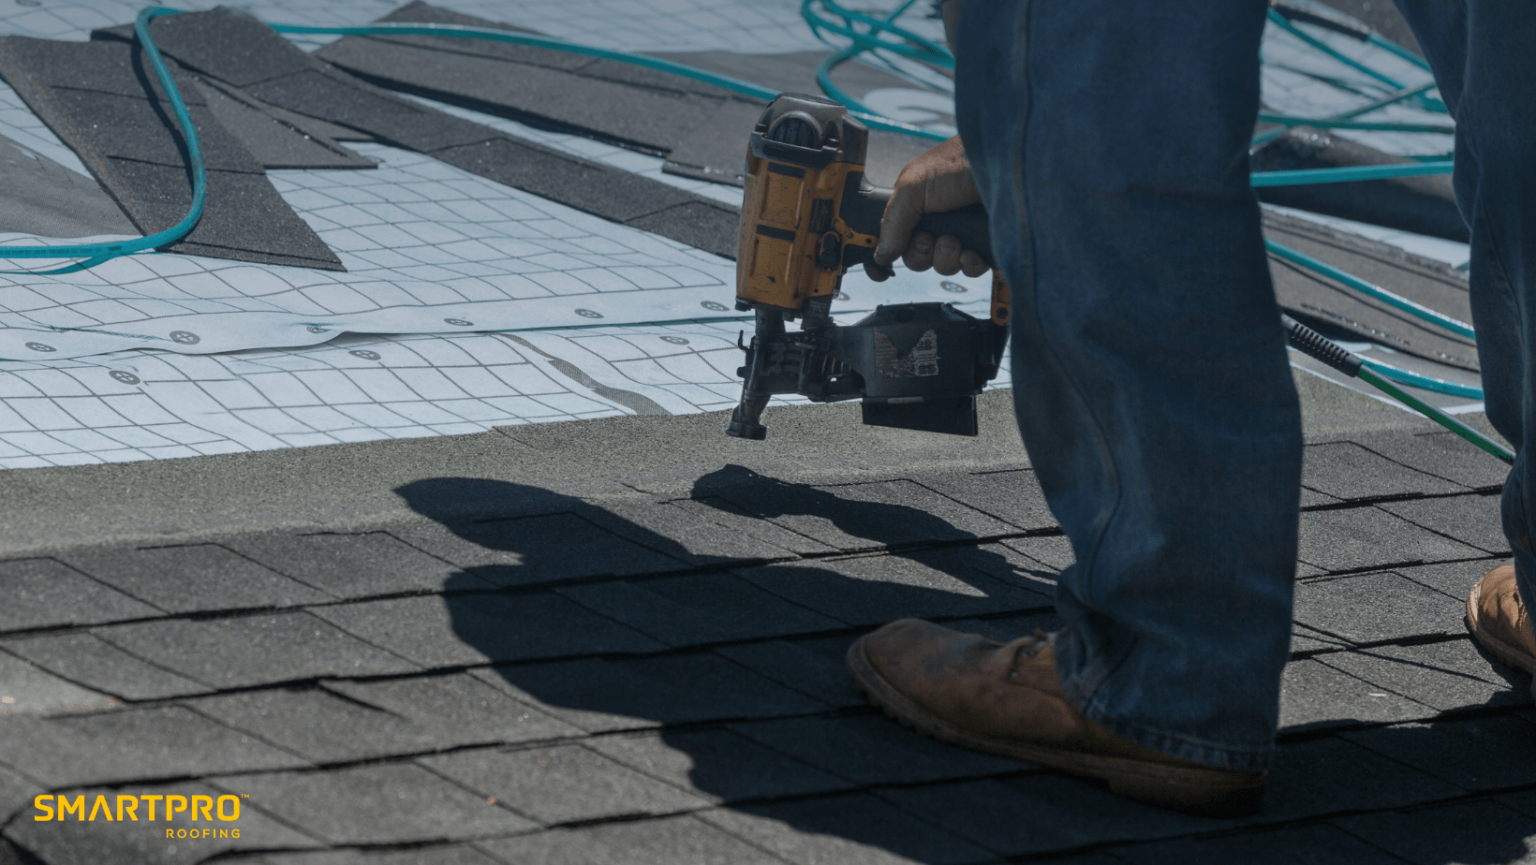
124, 808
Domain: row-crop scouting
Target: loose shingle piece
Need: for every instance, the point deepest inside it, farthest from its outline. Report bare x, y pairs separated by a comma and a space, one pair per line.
246, 58
103, 100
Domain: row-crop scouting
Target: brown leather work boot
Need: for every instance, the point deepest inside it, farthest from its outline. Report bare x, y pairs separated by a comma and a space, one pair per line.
969, 691
1497, 619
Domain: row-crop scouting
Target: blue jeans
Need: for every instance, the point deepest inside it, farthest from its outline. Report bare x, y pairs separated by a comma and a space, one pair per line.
1110, 141
1485, 64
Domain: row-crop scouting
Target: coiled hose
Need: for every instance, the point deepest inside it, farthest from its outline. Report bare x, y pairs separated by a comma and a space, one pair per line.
909, 45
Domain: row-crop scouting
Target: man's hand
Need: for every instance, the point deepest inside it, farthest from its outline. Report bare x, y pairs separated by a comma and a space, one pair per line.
937, 181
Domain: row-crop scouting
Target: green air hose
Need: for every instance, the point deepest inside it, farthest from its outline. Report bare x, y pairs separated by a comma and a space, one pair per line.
1319, 347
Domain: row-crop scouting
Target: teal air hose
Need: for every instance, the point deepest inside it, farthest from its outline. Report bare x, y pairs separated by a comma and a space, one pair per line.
873, 121
911, 46
1383, 42
1315, 345
1439, 319
1284, 24
927, 51
1304, 176
1366, 125
1423, 382
99, 252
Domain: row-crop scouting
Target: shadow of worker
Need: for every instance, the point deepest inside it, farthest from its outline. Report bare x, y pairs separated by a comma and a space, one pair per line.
737, 661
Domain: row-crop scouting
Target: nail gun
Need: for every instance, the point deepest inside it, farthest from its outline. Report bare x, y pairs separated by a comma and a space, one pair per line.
809, 215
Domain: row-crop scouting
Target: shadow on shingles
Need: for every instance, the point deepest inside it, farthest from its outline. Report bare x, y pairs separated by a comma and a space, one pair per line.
988, 807
715, 770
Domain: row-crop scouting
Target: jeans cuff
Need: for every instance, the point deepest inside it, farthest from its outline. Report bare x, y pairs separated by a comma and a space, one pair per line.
1084, 689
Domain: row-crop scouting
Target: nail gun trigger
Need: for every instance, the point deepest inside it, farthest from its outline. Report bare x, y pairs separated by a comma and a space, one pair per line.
740, 340
829, 253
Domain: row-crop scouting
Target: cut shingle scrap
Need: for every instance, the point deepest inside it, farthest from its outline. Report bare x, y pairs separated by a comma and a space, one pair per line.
239, 51
103, 100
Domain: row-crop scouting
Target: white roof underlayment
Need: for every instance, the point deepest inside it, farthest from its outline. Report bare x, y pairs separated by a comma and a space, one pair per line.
465, 304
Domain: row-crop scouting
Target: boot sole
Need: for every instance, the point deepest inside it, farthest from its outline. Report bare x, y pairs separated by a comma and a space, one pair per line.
1193, 790
1509, 654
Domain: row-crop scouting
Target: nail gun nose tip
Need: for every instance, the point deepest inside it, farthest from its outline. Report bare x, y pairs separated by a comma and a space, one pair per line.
738, 429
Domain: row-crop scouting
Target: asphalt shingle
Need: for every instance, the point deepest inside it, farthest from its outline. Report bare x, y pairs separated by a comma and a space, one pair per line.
83, 658
1356, 539
698, 609
688, 535
818, 674
133, 745
1459, 832
530, 550
192, 578
589, 693
476, 628
456, 709
1453, 578
16, 793
41, 593
383, 804
440, 854
562, 784
1330, 775
1375, 607
864, 516
717, 765
1304, 639
1442, 453
1053, 551
1312, 845
1471, 519
682, 840
1474, 754
1013, 496
1345, 470
351, 566
734, 518
322, 726
869, 749
707, 686
1062, 814
849, 829
873, 590
1448, 675
253, 650
1313, 695
98, 841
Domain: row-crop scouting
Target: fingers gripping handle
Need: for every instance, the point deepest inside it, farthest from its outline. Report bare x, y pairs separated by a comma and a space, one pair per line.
968, 225
864, 209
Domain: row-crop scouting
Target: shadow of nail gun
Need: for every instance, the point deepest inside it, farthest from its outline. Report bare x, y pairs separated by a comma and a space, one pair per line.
809, 215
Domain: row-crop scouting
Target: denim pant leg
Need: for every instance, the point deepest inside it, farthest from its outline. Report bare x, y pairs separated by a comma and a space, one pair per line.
1483, 53
1110, 142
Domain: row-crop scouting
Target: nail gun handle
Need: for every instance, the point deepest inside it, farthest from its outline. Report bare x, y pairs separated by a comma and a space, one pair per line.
968, 224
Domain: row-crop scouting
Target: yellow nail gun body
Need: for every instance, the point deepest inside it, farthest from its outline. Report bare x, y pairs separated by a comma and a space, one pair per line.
809, 215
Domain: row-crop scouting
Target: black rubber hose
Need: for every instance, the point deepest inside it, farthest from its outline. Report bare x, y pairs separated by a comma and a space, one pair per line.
1314, 345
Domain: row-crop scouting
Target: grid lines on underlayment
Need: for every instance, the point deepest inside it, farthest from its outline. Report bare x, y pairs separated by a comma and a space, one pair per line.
420, 240
157, 405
